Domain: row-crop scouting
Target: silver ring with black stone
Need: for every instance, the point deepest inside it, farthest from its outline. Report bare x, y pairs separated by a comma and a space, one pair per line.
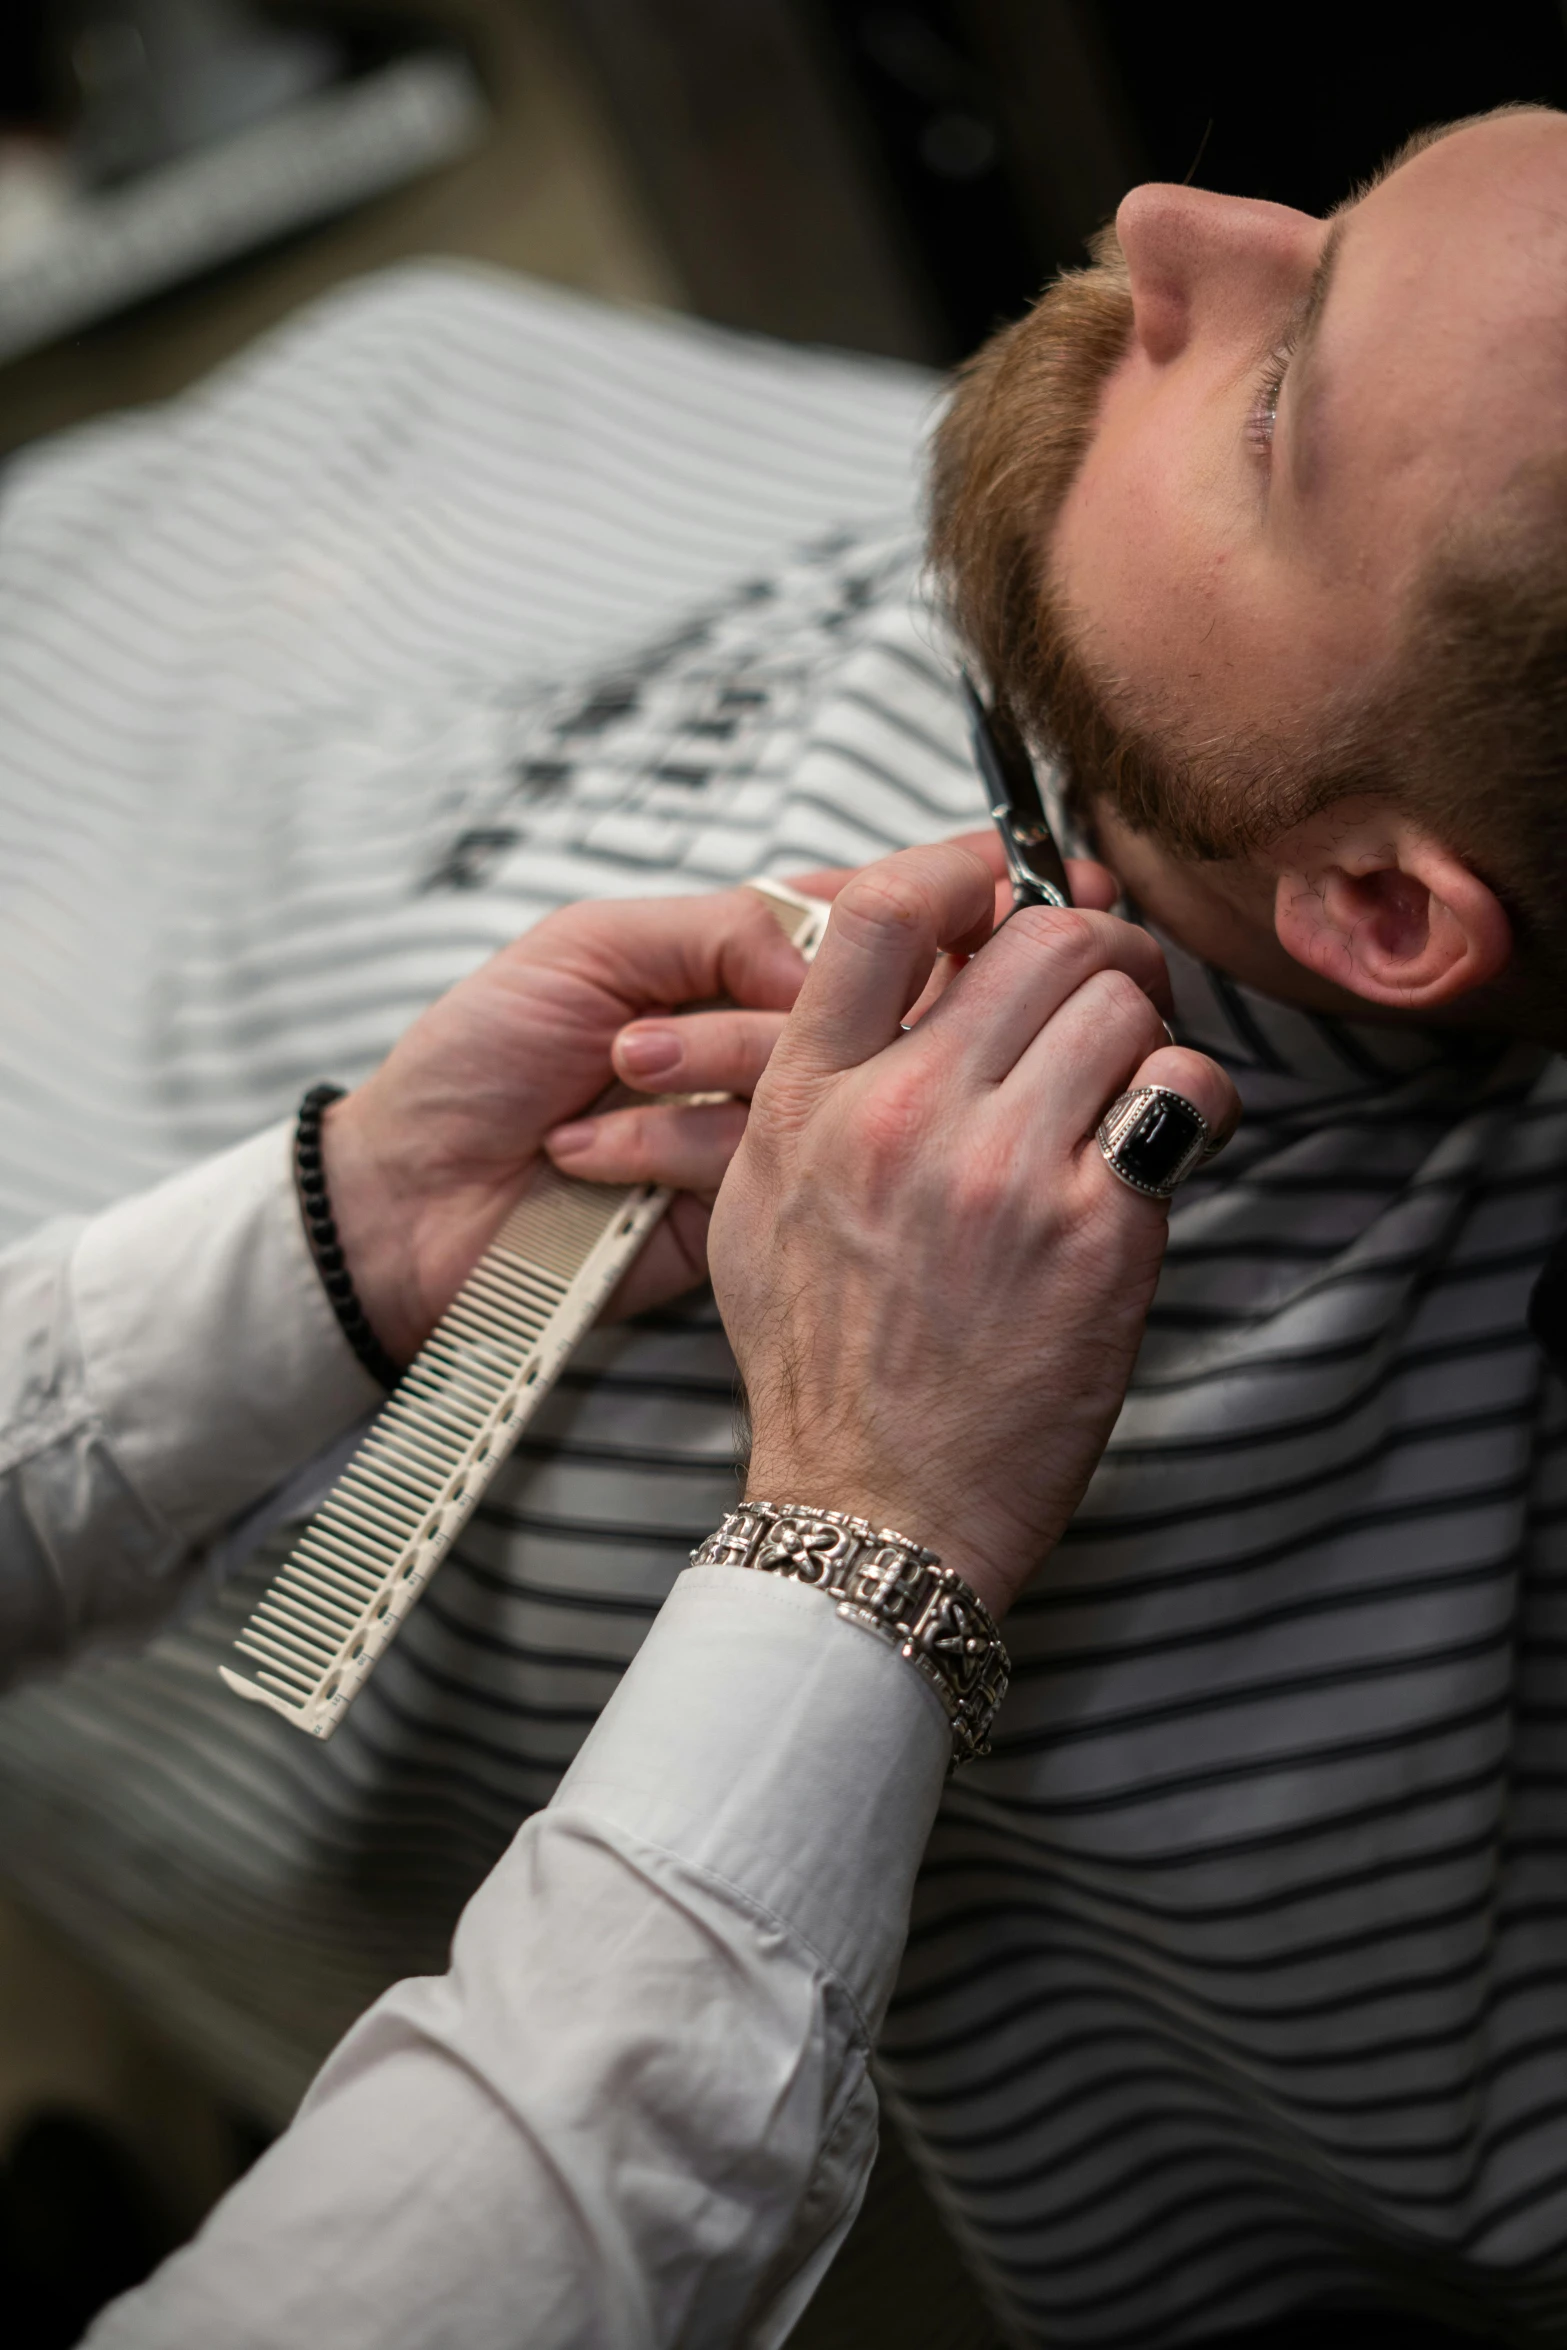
1152, 1138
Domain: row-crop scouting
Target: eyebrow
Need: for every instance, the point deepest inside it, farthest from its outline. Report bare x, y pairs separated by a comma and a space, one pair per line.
1307, 331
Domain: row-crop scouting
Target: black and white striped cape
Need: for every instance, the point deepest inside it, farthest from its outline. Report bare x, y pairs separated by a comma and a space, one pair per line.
1239, 1975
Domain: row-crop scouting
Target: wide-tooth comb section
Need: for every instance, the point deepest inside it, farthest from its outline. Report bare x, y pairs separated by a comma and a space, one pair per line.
336, 1604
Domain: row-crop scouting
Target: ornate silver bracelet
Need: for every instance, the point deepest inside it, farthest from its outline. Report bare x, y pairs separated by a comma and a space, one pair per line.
889, 1586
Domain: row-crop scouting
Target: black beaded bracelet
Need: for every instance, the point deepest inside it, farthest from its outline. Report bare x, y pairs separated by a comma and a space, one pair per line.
321, 1232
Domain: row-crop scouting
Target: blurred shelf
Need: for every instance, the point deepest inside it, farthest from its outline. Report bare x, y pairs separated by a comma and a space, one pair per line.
101, 253
542, 189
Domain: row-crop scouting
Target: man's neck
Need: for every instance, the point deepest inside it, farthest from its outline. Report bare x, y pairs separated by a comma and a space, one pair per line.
1222, 913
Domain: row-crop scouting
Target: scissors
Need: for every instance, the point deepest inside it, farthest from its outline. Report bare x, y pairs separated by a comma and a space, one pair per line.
1033, 860
1017, 811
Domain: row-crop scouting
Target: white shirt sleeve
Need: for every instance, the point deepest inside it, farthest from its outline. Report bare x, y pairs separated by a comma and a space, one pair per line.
637, 2110
162, 1367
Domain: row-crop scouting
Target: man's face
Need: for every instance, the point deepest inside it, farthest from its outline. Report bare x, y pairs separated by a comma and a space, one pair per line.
1300, 410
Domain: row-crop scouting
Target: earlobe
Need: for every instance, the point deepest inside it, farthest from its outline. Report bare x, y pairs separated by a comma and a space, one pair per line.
1384, 910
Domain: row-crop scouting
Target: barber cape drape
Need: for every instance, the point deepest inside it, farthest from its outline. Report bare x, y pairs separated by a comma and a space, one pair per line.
1238, 1975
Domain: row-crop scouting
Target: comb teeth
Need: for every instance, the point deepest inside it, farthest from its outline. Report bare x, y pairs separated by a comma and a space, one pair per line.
406, 1495
409, 1490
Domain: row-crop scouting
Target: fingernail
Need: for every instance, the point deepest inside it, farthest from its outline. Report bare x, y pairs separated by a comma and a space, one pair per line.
647, 1052
562, 1142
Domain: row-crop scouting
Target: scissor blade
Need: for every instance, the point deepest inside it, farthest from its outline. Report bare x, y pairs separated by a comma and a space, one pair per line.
1033, 860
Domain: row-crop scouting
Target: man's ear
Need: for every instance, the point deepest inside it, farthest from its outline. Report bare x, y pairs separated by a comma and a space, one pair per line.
1368, 899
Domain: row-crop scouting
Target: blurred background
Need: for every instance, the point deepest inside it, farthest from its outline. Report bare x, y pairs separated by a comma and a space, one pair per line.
888, 175
893, 176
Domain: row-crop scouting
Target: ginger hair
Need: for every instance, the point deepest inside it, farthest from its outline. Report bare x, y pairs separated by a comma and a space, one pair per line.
1465, 728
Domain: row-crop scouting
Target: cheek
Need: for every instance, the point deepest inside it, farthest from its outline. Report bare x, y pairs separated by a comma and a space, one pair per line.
1176, 597
1134, 566
1144, 545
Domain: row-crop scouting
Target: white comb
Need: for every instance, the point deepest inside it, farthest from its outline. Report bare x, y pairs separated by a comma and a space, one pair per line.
335, 1606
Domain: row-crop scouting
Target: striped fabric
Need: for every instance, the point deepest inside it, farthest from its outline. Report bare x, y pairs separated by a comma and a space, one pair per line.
1238, 1976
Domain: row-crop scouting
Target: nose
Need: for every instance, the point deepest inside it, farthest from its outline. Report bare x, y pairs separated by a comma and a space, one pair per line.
1198, 261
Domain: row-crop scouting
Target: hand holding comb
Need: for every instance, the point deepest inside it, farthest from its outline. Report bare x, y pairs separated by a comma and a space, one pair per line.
335, 1606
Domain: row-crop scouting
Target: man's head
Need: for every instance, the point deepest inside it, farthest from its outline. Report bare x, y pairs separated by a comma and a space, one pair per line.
1262, 524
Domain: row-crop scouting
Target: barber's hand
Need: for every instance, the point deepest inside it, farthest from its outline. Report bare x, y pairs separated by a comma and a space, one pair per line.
934, 1286
689, 1145
426, 1158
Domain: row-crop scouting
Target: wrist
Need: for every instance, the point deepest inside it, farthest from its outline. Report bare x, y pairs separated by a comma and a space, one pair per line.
896, 1589
411, 1227
959, 1541
372, 1211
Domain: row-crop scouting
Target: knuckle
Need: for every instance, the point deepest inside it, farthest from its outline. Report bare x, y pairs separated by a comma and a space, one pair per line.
1076, 939
630, 1143
887, 896
1065, 935
1076, 936
891, 1119
1118, 998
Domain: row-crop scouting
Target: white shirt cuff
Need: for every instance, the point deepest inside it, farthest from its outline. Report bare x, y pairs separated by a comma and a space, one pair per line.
211, 1352
789, 1753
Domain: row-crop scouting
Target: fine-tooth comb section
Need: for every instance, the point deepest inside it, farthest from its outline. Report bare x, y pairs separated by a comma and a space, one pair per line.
332, 1610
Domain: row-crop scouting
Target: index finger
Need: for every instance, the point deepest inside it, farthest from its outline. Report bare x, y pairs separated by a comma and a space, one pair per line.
827, 880
1092, 884
889, 923
647, 952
